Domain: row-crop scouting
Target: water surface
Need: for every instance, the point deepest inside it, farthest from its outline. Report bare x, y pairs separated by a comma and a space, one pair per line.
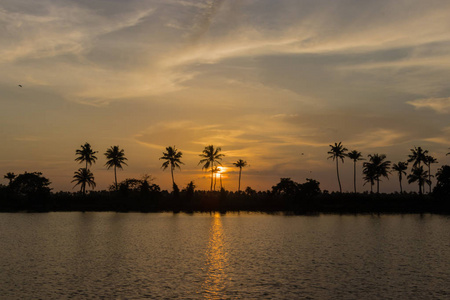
213, 256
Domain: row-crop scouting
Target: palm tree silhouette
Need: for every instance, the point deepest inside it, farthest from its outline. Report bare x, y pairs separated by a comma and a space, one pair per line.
10, 176
211, 156
355, 156
86, 154
240, 164
337, 151
428, 161
172, 158
115, 158
369, 175
418, 155
82, 177
400, 168
377, 167
420, 175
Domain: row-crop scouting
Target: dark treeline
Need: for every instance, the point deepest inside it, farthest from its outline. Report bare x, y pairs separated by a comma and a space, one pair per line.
30, 192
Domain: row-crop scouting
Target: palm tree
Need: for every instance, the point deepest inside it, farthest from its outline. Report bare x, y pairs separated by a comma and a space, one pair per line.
337, 151
83, 176
428, 161
115, 158
355, 156
417, 156
211, 156
377, 167
86, 154
369, 175
172, 158
10, 176
240, 164
420, 175
400, 168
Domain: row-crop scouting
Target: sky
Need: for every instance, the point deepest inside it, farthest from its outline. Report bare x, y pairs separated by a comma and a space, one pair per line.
270, 82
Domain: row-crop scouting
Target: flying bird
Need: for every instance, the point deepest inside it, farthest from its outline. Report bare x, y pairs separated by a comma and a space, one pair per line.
20, 85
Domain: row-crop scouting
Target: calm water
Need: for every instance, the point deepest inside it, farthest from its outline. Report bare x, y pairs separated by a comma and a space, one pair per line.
202, 256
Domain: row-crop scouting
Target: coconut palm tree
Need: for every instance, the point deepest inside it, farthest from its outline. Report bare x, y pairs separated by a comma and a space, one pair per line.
172, 158
378, 167
86, 154
10, 176
211, 156
115, 158
400, 168
82, 177
337, 152
418, 155
355, 156
369, 175
240, 164
428, 161
420, 175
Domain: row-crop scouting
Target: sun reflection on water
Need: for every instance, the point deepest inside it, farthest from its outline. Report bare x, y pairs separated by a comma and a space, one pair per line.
216, 261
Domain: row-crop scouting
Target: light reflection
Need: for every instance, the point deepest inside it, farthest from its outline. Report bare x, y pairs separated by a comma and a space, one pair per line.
216, 261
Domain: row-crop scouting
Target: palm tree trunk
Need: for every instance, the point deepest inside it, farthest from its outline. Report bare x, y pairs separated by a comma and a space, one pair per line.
354, 175
115, 177
337, 170
239, 186
400, 180
173, 181
378, 185
212, 174
220, 177
429, 176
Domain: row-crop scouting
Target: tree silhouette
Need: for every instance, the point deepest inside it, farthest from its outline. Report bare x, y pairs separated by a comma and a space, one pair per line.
417, 156
240, 164
377, 167
86, 154
172, 158
369, 175
442, 188
10, 176
215, 171
400, 168
420, 175
211, 156
337, 152
115, 158
84, 177
428, 161
355, 156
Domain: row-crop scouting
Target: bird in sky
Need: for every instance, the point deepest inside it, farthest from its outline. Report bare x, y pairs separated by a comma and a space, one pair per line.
20, 85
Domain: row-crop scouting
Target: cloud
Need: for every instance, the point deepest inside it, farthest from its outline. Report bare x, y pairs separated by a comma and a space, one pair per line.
439, 105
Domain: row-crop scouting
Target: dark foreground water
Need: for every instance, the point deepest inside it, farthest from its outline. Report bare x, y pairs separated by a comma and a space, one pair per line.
203, 256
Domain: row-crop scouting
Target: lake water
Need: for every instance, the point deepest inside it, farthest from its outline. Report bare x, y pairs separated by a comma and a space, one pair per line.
232, 256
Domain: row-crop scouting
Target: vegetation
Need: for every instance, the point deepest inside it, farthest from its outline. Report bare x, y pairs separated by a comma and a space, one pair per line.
210, 156
400, 168
355, 156
84, 177
337, 152
86, 154
240, 164
32, 192
376, 168
172, 158
115, 158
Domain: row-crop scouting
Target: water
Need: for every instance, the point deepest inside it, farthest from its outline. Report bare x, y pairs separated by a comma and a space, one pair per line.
203, 256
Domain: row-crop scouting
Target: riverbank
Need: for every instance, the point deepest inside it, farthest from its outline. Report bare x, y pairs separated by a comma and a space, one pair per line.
201, 201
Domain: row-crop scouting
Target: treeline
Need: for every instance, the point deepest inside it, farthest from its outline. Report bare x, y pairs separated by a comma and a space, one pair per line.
31, 192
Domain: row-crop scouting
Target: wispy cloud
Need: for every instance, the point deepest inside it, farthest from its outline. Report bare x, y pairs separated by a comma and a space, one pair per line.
439, 105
